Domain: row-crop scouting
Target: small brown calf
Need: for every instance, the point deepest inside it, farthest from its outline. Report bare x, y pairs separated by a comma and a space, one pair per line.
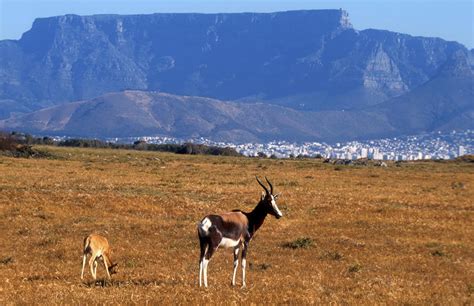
98, 247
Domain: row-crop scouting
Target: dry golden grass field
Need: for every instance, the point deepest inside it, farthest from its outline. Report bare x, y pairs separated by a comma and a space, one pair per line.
349, 234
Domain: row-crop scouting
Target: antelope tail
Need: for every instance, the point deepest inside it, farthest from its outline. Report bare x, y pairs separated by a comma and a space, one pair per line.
86, 244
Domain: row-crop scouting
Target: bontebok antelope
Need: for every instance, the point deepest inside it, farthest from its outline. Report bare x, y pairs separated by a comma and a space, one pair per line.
234, 230
98, 247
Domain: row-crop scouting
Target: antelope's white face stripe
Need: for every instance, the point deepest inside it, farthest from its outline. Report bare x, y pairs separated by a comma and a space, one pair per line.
205, 225
228, 243
275, 207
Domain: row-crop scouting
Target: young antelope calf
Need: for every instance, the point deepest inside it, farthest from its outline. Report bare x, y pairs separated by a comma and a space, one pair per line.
233, 230
98, 247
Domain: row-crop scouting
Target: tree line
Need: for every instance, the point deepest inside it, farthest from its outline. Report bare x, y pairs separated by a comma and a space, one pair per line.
14, 140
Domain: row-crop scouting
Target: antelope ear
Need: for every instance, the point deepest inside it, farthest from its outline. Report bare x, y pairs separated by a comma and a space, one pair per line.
262, 196
277, 195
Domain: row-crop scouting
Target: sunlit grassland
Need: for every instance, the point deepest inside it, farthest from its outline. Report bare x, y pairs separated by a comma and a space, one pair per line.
349, 234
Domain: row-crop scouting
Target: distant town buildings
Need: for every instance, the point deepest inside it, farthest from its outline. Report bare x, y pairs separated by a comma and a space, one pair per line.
426, 146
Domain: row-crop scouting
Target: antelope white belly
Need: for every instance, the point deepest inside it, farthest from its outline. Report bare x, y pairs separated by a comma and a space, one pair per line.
228, 243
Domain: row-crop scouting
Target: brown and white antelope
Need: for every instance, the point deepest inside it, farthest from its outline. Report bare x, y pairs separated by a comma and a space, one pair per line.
98, 247
234, 230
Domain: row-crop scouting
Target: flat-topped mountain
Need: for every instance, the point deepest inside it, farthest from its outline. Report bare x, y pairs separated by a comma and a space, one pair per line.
303, 59
300, 60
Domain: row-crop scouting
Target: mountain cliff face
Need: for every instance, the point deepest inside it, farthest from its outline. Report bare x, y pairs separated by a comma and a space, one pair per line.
309, 60
297, 75
445, 102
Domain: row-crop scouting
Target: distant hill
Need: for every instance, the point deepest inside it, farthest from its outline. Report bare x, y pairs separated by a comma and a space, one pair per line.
137, 113
297, 75
133, 113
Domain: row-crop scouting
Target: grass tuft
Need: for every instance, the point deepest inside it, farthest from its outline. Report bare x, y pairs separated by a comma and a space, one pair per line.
7, 260
457, 185
354, 268
438, 253
335, 255
300, 243
261, 267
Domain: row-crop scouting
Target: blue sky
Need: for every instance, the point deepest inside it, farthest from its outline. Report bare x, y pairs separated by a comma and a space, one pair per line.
448, 19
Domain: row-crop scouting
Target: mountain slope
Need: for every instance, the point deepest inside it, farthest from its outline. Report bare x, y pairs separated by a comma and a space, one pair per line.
444, 102
136, 113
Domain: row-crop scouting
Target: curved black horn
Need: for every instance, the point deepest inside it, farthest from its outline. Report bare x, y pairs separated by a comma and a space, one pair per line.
271, 186
266, 190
